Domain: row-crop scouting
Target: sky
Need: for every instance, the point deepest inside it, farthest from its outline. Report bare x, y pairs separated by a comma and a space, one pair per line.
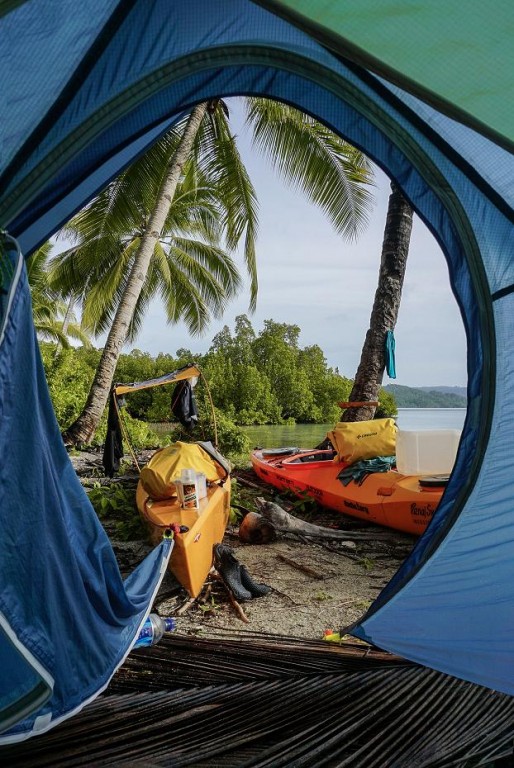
311, 277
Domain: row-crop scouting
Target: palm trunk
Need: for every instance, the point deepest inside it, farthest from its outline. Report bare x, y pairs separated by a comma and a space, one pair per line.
83, 429
395, 249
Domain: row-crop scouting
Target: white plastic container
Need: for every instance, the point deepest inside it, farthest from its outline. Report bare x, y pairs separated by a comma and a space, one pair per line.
426, 452
190, 496
177, 482
201, 484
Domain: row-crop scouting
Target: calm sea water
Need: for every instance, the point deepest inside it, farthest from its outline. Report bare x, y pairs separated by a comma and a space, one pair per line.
309, 435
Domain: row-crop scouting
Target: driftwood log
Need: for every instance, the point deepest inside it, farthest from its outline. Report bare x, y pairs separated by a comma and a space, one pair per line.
256, 529
283, 522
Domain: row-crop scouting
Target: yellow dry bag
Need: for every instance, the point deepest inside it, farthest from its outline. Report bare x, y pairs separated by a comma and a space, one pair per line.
167, 464
358, 440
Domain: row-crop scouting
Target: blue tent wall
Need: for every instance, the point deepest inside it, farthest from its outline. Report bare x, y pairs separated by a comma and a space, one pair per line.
67, 620
450, 604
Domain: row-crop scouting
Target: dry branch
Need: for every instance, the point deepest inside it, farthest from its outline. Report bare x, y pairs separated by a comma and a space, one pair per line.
236, 606
185, 606
249, 483
300, 567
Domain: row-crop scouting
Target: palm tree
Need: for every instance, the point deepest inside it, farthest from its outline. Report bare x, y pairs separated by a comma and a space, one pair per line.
128, 249
124, 238
395, 249
51, 320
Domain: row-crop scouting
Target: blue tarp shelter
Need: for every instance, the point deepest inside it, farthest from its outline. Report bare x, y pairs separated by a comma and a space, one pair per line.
426, 90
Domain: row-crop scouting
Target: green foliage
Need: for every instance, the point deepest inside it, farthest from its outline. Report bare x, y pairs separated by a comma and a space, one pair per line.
303, 506
191, 267
387, 405
232, 441
309, 156
210, 606
52, 311
235, 514
140, 434
110, 499
118, 503
321, 595
268, 379
264, 378
69, 376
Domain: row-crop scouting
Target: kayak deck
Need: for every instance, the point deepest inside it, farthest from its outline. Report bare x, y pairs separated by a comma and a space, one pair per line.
192, 555
389, 498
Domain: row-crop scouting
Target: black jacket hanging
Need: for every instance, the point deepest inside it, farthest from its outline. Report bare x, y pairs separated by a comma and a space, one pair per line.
113, 446
183, 404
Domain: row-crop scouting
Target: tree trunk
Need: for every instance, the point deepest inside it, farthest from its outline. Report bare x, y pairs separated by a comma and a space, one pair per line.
83, 429
395, 249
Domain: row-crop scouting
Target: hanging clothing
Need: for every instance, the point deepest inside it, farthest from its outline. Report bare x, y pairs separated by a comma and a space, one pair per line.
389, 355
183, 404
113, 445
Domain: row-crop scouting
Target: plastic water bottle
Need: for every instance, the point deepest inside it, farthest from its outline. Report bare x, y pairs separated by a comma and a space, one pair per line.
153, 629
189, 489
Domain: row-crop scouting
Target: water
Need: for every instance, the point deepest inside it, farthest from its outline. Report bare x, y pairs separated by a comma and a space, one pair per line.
431, 418
309, 435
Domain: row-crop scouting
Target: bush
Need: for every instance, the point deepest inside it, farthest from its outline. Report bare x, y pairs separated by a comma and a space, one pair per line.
117, 504
233, 441
140, 435
69, 379
387, 405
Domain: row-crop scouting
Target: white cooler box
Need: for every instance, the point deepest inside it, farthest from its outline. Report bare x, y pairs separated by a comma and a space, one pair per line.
426, 452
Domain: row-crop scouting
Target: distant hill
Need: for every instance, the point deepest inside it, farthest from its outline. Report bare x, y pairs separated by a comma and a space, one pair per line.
425, 397
461, 391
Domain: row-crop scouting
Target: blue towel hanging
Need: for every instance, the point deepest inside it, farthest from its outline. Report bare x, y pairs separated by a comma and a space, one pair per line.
389, 355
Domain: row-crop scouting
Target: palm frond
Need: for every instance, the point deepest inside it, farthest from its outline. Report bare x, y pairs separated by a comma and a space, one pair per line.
311, 158
277, 701
104, 295
203, 261
48, 331
221, 161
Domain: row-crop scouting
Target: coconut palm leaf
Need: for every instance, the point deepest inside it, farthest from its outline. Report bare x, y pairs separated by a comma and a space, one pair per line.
277, 701
220, 159
333, 174
48, 305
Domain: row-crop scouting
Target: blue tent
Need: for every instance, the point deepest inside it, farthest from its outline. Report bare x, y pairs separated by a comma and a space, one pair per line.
426, 90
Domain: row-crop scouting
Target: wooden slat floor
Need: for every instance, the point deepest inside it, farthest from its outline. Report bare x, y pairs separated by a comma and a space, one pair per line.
265, 701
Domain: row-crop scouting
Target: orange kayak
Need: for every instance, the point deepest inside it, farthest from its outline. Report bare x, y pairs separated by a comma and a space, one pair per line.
403, 502
192, 555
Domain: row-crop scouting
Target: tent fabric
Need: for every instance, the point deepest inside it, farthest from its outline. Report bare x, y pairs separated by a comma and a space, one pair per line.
424, 92
417, 45
67, 619
182, 374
